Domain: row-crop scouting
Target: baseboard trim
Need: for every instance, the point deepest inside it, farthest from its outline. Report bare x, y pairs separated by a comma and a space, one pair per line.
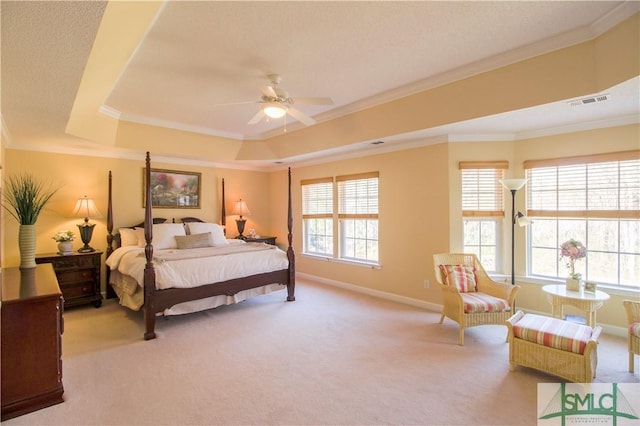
429, 306
376, 293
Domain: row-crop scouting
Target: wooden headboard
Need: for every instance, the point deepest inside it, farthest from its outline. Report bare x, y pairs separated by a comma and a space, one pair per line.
113, 239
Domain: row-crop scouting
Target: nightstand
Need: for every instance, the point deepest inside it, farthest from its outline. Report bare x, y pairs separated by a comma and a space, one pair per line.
268, 240
78, 276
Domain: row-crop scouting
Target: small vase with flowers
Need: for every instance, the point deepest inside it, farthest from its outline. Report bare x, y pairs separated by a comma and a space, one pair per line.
573, 250
65, 241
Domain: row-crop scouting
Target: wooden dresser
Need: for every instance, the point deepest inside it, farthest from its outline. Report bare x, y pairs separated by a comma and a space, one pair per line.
78, 276
31, 340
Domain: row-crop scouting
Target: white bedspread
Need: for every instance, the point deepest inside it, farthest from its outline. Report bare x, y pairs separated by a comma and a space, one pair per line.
188, 271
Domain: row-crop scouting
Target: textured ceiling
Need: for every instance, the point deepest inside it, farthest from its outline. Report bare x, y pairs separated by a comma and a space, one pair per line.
196, 58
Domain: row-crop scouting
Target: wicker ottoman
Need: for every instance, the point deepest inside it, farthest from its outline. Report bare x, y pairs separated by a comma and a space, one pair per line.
552, 345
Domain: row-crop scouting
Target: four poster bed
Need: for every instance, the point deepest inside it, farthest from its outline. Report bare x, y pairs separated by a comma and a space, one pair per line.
191, 266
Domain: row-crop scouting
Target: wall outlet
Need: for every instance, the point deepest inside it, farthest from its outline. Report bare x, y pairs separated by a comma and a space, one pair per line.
426, 283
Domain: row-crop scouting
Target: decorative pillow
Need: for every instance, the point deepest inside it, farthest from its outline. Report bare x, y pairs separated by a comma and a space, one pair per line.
217, 235
164, 235
194, 241
463, 277
128, 237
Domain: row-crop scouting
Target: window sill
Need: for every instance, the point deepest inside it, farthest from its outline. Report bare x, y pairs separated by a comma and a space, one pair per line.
344, 261
610, 289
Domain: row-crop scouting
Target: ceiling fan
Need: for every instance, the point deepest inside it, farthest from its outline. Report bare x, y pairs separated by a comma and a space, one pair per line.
275, 103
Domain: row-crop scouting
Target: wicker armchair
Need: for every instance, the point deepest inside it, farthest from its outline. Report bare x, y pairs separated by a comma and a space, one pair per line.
491, 303
633, 318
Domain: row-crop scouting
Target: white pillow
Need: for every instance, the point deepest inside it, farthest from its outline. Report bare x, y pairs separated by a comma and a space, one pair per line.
164, 235
217, 235
128, 237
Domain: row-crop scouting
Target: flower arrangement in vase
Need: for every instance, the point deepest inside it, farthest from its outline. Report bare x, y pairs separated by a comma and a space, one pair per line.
573, 250
65, 241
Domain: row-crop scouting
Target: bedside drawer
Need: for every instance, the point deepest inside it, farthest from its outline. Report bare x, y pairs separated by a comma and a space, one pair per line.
78, 275
65, 277
75, 290
74, 262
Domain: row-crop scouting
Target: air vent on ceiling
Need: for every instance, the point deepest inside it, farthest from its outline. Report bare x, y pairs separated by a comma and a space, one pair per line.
589, 100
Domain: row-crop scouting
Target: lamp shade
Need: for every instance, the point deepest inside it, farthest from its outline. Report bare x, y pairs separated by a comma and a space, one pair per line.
86, 207
241, 208
513, 184
274, 109
522, 220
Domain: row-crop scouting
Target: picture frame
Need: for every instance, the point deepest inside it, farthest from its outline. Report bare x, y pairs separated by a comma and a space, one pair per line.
590, 286
173, 189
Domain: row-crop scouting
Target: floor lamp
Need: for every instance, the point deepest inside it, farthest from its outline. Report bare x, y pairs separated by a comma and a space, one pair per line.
514, 185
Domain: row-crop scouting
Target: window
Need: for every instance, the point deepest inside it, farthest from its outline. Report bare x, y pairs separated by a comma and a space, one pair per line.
482, 209
593, 199
358, 214
317, 216
354, 219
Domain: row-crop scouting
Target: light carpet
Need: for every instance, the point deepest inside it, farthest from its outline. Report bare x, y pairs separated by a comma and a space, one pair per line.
333, 357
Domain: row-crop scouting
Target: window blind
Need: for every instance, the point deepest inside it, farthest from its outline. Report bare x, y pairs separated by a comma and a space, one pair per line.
317, 198
605, 186
358, 196
482, 192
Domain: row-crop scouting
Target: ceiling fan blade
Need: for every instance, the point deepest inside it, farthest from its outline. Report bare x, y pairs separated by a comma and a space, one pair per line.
312, 101
269, 91
256, 118
303, 118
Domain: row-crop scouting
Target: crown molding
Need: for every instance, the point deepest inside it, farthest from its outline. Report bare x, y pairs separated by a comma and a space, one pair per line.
560, 41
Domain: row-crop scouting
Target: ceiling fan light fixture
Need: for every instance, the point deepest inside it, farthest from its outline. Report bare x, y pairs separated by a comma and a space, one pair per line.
274, 109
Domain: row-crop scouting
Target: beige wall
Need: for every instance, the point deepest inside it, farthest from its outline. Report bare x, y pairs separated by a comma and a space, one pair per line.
82, 175
420, 212
414, 220
419, 188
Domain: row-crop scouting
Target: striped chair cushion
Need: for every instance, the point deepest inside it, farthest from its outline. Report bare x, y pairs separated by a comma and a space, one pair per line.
475, 302
463, 277
634, 329
553, 332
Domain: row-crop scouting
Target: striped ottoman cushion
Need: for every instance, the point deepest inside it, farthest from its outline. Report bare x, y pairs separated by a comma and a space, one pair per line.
634, 329
553, 332
481, 302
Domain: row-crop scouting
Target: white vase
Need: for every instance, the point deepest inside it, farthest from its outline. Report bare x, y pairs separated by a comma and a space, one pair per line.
27, 246
573, 284
65, 247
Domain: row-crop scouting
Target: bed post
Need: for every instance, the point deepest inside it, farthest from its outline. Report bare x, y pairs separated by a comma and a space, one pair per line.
149, 271
109, 220
110, 294
291, 284
223, 212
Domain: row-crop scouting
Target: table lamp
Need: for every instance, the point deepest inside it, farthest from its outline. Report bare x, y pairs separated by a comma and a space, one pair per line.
86, 207
241, 209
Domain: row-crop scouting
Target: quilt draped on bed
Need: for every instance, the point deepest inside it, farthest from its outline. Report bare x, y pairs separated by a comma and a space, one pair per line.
187, 268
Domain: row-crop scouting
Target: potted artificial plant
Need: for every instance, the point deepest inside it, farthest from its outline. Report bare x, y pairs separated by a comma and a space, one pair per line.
24, 199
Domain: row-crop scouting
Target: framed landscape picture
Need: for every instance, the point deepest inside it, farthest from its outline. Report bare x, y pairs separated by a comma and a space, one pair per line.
173, 189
